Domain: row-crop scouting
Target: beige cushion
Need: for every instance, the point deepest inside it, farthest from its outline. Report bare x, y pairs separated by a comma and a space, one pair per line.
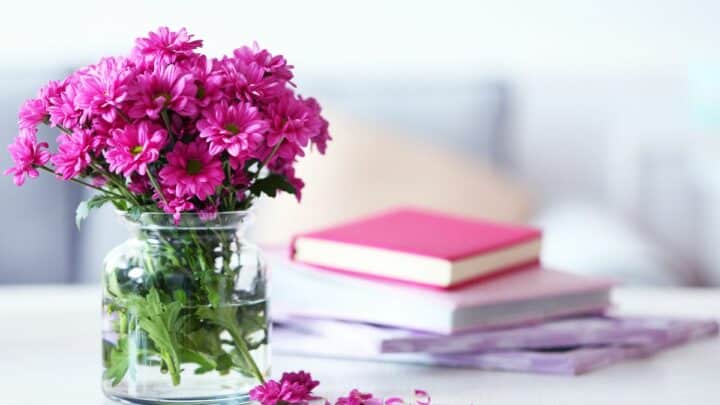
368, 168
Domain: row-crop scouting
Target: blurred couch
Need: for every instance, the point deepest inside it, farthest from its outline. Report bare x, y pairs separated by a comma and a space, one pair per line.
624, 172
371, 167
608, 166
38, 242
396, 143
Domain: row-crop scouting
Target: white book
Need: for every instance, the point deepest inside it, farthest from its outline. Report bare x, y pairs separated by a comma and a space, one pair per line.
516, 298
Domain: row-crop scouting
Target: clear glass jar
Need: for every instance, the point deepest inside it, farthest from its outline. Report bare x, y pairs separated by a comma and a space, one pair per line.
185, 311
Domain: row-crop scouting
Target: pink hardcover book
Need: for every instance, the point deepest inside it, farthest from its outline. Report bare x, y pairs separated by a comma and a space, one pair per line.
420, 247
516, 298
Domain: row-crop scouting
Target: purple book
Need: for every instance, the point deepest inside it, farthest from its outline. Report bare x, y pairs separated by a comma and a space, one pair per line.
584, 344
569, 332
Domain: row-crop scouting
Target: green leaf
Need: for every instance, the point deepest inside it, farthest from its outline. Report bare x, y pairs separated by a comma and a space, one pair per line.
213, 297
163, 323
180, 296
240, 363
134, 213
83, 209
251, 321
206, 340
222, 316
270, 185
226, 318
207, 363
81, 213
118, 364
250, 163
112, 285
224, 363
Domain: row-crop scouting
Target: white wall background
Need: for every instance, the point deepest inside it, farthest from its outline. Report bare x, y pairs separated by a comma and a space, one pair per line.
590, 79
522, 37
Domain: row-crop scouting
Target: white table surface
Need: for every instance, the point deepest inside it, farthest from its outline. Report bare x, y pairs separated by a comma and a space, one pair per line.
50, 354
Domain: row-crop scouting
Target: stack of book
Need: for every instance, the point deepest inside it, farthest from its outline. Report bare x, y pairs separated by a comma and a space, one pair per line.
422, 287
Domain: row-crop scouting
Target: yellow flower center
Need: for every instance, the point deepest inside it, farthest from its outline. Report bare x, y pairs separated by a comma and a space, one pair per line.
137, 149
200, 93
193, 167
166, 96
232, 128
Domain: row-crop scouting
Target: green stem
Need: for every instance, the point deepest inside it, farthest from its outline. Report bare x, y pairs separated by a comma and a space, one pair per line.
148, 263
117, 183
230, 187
202, 259
225, 246
267, 159
121, 187
62, 128
166, 121
171, 359
156, 186
83, 183
122, 115
242, 347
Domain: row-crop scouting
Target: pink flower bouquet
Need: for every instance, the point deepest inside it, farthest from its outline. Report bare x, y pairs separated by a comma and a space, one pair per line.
182, 145
169, 129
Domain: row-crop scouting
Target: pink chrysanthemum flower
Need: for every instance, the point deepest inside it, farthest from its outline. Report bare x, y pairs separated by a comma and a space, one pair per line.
73, 155
295, 120
133, 147
270, 393
275, 66
63, 110
183, 128
208, 80
235, 128
321, 125
355, 397
99, 181
301, 382
287, 152
103, 88
126, 113
296, 182
101, 133
209, 211
422, 397
165, 45
52, 90
321, 140
257, 74
173, 204
250, 81
139, 184
32, 113
285, 166
301, 378
168, 86
27, 153
239, 179
293, 388
192, 170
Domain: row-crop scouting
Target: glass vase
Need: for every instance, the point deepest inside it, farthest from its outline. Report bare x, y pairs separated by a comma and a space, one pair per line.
185, 311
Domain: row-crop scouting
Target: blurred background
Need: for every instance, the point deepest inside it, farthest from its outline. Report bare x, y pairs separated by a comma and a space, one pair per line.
597, 121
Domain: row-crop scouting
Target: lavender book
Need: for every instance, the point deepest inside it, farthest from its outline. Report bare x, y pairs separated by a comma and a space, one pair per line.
570, 346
